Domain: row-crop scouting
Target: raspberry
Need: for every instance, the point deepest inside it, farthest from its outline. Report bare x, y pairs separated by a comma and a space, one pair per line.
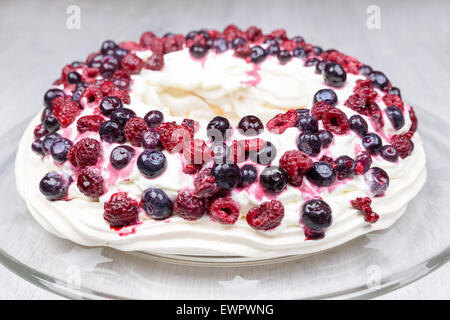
336, 121
363, 205
90, 123
121, 79
188, 207
196, 152
157, 45
205, 184
253, 33
224, 210
107, 87
243, 51
191, 168
173, 135
330, 160
173, 43
357, 102
192, 125
237, 151
130, 45
282, 121
65, 110
132, 64
413, 128
89, 75
121, 210
146, 39
393, 100
289, 45
122, 95
91, 97
133, 130
403, 145
266, 216
319, 108
376, 116
295, 163
90, 182
278, 34
85, 152
65, 71
155, 62
371, 217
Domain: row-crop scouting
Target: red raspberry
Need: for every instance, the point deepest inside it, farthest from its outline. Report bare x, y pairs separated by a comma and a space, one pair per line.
278, 34
237, 151
65, 110
90, 182
197, 152
363, 84
289, 45
155, 62
336, 121
330, 160
357, 102
89, 75
371, 217
393, 100
224, 210
122, 95
121, 79
232, 32
266, 216
130, 45
253, 33
121, 210
254, 144
157, 45
91, 97
146, 39
190, 168
205, 184
243, 51
192, 125
173, 43
132, 64
363, 205
133, 130
85, 152
403, 145
282, 121
376, 115
89, 123
295, 163
65, 71
413, 128
107, 87
173, 135
188, 207
318, 109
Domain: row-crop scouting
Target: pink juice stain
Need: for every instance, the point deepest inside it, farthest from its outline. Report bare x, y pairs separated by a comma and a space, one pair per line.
127, 230
256, 76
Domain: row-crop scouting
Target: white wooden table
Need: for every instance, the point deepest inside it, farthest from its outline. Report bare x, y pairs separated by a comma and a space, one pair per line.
411, 46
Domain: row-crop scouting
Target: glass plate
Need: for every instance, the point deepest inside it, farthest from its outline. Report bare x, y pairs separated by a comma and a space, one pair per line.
368, 266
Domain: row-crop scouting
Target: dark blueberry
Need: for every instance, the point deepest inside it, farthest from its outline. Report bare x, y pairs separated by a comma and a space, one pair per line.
54, 185
50, 123
273, 179
120, 156
198, 50
300, 53
326, 95
365, 160
238, 42
394, 90
38, 147
78, 64
311, 62
109, 64
249, 174
316, 215
73, 77
330, 51
298, 39
120, 52
168, 34
220, 45
157, 204
191, 35
320, 66
226, 175
220, 151
40, 131
107, 46
389, 153
250, 126
122, 115
45, 113
378, 180
365, 70
326, 138
96, 61
109, 104
273, 49
59, 149
48, 141
258, 54
76, 96
217, 128
373, 143
321, 174
379, 80
110, 131
154, 118
151, 163
358, 124
151, 139
302, 112
317, 50
345, 167
334, 75
309, 142
52, 94
307, 123
265, 155
270, 41
395, 115
284, 56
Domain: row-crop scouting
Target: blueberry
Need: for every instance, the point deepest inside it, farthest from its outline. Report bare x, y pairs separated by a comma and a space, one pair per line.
157, 204
121, 156
52, 94
109, 104
389, 153
258, 54
299, 53
334, 75
264, 155
38, 147
59, 149
221, 152
120, 52
317, 50
302, 112
78, 64
220, 45
311, 62
379, 80
238, 42
107, 46
51, 123
395, 115
198, 50
273, 49
76, 96
394, 90
378, 180
321, 174
345, 167
358, 124
96, 61
326, 95
273, 179
306, 122
365, 160
110, 131
191, 35
373, 143
320, 65
48, 141
168, 34
109, 64
73, 77
250, 126
226, 175
309, 142
249, 174
284, 56
151, 163
122, 115
217, 128
151, 139
154, 118
316, 215
326, 138
365, 70
54, 185
298, 39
